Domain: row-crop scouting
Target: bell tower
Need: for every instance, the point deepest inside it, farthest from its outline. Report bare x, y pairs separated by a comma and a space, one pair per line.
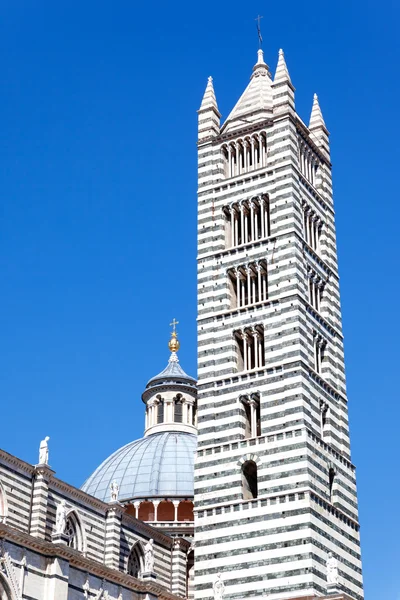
275, 493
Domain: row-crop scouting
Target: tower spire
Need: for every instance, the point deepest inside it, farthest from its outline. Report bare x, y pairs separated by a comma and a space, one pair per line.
281, 73
255, 104
209, 115
316, 119
283, 89
318, 130
209, 100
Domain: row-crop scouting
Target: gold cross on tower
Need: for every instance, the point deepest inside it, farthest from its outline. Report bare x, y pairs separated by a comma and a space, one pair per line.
173, 325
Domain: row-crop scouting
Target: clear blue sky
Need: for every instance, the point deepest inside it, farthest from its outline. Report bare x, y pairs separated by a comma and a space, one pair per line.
98, 215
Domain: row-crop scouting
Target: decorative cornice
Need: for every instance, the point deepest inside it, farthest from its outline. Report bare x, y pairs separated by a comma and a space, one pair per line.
77, 560
17, 462
147, 530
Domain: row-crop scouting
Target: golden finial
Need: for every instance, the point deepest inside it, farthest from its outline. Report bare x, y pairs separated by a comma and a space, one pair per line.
173, 343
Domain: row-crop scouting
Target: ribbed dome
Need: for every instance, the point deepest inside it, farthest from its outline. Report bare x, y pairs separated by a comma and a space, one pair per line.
172, 374
161, 464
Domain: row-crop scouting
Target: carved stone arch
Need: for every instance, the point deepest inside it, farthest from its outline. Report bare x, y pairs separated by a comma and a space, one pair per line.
135, 560
9, 585
75, 531
247, 457
3, 505
5, 590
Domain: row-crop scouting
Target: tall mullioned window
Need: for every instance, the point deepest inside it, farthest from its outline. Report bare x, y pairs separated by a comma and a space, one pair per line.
247, 221
250, 344
245, 154
319, 351
316, 287
312, 227
308, 162
252, 413
249, 284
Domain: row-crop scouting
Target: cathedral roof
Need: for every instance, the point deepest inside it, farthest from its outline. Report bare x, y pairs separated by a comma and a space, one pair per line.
157, 465
255, 104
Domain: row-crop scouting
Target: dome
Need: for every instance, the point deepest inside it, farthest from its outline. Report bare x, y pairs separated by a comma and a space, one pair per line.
172, 374
161, 464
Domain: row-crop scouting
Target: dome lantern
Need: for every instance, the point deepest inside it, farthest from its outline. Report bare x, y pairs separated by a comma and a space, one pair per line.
171, 396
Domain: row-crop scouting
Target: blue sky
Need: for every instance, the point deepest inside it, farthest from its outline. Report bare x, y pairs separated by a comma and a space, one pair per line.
98, 215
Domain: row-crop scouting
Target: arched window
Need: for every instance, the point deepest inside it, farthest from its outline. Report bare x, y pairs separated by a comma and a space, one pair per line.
135, 561
146, 511
160, 410
249, 480
178, 413
73, 530
3, 505
185, 511
166, 511
332, 474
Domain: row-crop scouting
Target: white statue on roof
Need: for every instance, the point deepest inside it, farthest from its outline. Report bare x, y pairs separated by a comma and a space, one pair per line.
114, 488
44, 451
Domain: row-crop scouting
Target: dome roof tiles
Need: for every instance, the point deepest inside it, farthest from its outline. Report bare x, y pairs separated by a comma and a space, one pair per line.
161, 464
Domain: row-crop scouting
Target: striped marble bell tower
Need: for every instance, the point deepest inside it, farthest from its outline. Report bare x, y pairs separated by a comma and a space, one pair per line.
275, 492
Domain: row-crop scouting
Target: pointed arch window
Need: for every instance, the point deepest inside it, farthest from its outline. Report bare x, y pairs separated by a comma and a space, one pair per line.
135, 561
74, 532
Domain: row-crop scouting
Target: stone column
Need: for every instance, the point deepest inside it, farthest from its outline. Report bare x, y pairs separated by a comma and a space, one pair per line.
252, 221
38, 518
57, 580
262, 216
244, 338
112, 543
259, 291
178, 569
176, 505
232, 213
255, 343
253, 414
248, 273
237, 273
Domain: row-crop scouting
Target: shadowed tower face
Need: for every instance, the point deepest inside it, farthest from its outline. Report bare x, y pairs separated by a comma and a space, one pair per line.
275, 493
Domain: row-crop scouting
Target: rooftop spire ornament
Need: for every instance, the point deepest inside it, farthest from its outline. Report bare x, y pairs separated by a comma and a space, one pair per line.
260, 40
173, 343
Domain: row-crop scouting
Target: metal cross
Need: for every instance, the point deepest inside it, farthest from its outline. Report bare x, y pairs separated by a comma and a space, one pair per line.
260, 40
173, 325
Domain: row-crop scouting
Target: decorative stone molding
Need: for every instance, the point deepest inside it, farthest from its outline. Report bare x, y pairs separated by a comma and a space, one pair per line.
9, 572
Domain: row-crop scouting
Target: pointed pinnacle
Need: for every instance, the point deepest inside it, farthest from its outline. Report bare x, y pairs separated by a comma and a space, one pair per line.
209, 100
316, 119
281, 73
